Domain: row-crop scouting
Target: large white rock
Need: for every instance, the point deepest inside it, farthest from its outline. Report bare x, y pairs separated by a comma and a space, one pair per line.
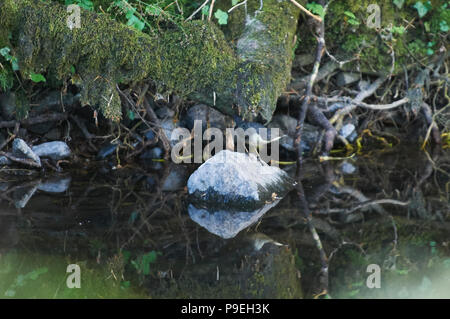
238, 179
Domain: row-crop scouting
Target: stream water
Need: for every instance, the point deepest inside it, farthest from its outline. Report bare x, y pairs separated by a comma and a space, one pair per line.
131, 233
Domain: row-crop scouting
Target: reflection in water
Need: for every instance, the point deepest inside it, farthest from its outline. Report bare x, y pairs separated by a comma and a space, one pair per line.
227, 223
127, 231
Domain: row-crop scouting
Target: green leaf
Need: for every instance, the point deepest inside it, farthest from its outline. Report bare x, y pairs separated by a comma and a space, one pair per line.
349, 14
221, 16
205, 10
316, 9
399, 30
443, 26
430, 51
399, 3
234, 2
135, 22
421, 8
36, 77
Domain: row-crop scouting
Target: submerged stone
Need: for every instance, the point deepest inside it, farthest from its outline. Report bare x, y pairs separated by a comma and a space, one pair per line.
230, 179
55, 150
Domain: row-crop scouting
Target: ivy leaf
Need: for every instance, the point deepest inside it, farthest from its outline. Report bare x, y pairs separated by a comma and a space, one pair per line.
222, 16
421, 8
36, 77
316, 9
399, 3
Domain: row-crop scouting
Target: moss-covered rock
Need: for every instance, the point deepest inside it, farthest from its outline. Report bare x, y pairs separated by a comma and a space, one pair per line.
193, 59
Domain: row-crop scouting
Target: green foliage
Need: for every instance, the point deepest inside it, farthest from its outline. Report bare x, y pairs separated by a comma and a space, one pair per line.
5, 52
36, 77
422, 8
316, 9
399, 3
221, 16
352, 18
142, 263
21, 280
85, 4
6, 78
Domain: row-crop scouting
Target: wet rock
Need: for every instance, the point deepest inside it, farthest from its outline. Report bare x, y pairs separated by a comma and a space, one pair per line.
346, 78
5, 161
176, 179
231, 179
288, 126
8, 105
199, 112
348, 131
55, 185
106, 151
226, 223
22, 150
56, 150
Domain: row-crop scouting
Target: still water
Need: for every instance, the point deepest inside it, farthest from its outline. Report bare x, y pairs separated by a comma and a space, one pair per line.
132, 233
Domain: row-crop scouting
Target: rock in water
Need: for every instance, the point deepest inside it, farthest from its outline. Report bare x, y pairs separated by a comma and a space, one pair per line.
231, 179
22, 150
55, 150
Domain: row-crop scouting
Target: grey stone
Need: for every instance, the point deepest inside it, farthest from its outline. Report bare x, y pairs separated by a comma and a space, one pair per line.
106, 151
5, 161
55, 150
226, 223
169, 126
347, 130
165, 112
288, 126
22, 150
347, 168
55, 185
346, 78
176, 179
239, 180
199, 113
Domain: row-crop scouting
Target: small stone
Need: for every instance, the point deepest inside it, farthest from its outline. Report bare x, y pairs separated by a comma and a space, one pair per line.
22, 150
56, 150
176, 179
165, 112
106, 151
199, 113
347, 130
346, 78
5, 161
348, 168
